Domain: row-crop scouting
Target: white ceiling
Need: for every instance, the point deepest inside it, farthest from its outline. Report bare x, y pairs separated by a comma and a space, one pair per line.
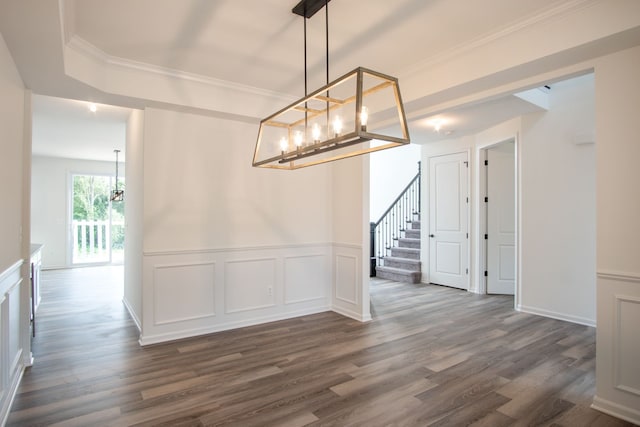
469, 119
67, 128
257, 43
260, 42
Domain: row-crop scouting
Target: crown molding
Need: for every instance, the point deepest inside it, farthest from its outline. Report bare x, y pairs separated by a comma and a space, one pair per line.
83, 47
561, 9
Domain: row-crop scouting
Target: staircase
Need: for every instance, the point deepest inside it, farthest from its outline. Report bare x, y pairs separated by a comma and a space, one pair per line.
404, 263
395, 237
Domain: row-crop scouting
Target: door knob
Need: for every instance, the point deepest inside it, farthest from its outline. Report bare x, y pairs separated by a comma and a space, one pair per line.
431, 235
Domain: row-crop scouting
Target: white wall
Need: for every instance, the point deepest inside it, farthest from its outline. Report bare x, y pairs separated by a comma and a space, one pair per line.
389, 173
51, 203
558, 205
557, 193
14, 279
350, 235
618, 234
11, 134
201, 191
226, 244
134, 225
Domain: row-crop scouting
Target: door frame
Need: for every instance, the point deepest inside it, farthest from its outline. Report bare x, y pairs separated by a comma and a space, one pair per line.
481, 216
424, 235
69, 219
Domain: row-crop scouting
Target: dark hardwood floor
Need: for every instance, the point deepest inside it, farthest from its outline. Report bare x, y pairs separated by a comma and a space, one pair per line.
431, 356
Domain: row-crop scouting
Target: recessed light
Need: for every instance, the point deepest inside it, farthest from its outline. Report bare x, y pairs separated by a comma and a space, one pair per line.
93, 107
437, 123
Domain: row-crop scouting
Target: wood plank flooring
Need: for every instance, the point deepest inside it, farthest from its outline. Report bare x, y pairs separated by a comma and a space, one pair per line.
431, 356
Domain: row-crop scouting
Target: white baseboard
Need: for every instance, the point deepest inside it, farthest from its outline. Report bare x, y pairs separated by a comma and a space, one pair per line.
556, 315
132, 314
351, 314
631, 415
172, 336
56, 267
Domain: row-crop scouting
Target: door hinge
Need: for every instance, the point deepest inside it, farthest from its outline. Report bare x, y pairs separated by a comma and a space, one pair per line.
467, 235
467, 271
486, 236
486, 200
486, 162
485, 273
467, 200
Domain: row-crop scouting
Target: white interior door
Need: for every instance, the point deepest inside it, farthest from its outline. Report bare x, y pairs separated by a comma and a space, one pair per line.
448, 212
501, 219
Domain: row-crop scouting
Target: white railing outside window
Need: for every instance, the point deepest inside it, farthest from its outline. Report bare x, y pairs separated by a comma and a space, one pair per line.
93, 241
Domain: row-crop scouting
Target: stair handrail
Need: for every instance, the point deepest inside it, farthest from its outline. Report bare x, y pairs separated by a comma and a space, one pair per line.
392, 222
402, 193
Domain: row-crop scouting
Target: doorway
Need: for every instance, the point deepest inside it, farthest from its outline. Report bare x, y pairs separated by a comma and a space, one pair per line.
448, 220
500, 213
97, 223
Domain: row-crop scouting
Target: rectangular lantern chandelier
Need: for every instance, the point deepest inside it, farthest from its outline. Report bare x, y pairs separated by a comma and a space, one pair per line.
360, 112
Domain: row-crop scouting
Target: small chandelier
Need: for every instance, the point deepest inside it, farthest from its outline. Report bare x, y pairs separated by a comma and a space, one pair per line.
360, 112
117, 195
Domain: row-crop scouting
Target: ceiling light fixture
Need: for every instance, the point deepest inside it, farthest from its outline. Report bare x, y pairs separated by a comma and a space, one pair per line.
93, 107
437, 124
360, 112
116, 194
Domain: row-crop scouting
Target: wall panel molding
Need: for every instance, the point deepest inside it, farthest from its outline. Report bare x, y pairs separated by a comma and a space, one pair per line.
183, 292
350, 285
617, 345
626, 347
11, 351
305, 278
218, 290
346, 277
249, 284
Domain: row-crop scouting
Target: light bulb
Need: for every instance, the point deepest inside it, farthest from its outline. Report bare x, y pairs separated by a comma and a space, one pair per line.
437, 124
364, 118
284, 144
297, 139
315, 132
93, 107
337, 125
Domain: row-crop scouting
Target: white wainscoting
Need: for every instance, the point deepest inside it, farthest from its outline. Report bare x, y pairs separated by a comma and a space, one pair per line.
183, 292
349, 283
618, 346
305, 278
11, 365
347, 278
249, 284
189, 293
